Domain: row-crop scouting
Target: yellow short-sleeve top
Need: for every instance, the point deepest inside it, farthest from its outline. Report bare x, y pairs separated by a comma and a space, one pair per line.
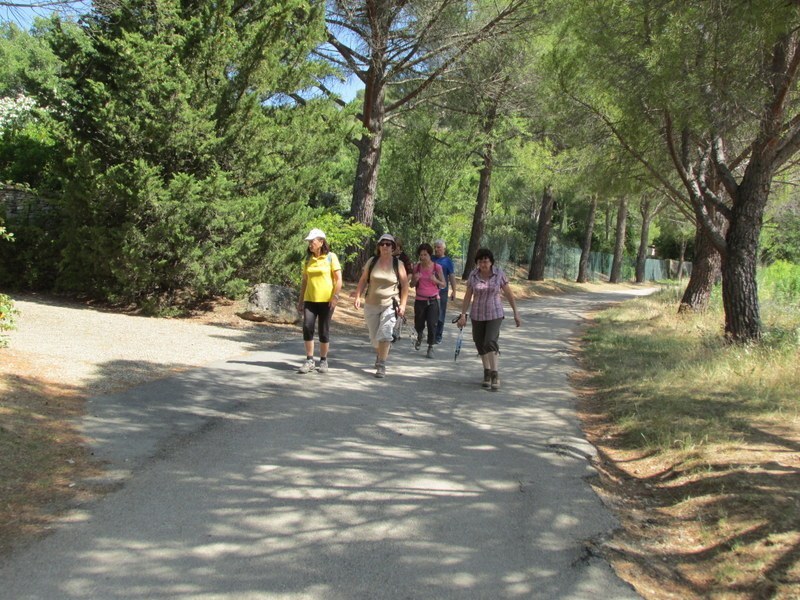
319, 277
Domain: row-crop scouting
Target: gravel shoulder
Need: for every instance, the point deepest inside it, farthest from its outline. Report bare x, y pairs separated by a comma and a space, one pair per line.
96, 352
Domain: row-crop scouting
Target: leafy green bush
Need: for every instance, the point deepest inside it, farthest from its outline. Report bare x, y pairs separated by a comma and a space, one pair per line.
8, 316
780, 281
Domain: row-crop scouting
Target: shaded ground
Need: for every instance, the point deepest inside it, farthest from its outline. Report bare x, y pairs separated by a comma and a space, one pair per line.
252, 479
665, 547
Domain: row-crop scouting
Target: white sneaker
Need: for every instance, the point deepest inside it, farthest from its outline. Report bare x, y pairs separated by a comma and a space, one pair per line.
323, 366
308, 365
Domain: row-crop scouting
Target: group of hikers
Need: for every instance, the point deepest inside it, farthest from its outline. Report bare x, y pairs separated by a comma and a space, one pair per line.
383, 290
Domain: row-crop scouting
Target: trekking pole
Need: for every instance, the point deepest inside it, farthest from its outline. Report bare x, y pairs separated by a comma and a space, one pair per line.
459, 339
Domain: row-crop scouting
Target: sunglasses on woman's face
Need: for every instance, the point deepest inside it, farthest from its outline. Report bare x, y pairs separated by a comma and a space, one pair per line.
386, 244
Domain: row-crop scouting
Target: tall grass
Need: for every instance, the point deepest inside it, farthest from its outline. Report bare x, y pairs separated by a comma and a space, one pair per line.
670, 381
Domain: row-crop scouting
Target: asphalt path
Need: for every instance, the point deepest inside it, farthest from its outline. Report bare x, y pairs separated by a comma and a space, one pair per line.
246, 480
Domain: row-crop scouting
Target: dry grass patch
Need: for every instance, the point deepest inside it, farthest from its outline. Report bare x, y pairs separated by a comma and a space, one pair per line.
42, 457
699, 452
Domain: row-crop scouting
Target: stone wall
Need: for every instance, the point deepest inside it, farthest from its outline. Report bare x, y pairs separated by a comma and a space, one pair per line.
20, 205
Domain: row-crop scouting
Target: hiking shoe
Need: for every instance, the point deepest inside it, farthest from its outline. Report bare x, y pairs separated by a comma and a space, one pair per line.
495, 381
429, 353
308, 365
323, 366
487, 378
380, 370
418, 343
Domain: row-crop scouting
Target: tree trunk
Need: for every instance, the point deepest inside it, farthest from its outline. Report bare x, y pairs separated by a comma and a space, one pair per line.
739, 289
539, 255
644, 237
362, 207
619, 242
681, 259
481, 209
586, 247
706, 271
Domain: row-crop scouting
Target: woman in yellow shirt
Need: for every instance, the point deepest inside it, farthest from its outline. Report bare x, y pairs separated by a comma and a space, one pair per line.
319, 294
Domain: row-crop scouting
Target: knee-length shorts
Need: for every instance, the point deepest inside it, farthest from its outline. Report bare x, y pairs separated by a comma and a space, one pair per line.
486, 334
380, 323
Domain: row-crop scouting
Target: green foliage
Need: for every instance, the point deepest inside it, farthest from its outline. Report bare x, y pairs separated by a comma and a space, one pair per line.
185, 156
780, 281
5, 235
172, 241
8, 315
28, 152
341, 233
780, 236
427, 187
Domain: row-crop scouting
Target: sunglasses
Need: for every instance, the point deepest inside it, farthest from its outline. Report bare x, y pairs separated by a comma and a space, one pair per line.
386, 244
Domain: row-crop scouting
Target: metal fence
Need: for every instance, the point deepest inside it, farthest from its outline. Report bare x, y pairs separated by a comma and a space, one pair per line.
562, 262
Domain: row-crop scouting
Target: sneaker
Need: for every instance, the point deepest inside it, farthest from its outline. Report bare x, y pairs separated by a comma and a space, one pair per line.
487, 378
418, 343
308, 365
429, 353
323, 366
438, 340
380, 370
495, 381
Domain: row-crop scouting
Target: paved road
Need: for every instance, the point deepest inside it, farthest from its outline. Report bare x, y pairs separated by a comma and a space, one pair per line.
245, 480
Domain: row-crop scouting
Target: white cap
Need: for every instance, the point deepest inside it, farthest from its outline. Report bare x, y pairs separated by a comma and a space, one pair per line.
314, 234
387, 236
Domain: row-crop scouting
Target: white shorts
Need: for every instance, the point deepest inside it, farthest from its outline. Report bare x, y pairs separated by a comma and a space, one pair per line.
380, 323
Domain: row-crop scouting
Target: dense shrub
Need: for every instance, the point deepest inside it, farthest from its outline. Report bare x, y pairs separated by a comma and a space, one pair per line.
8, 316
781, 281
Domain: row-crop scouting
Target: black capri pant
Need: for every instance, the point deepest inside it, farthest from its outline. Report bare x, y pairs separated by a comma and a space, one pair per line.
485, 335
317, 311
426, 312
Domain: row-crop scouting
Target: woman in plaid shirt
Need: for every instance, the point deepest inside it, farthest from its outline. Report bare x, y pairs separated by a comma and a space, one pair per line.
484, 286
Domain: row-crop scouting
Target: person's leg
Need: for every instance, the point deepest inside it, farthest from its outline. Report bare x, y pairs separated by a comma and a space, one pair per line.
324, 317
432, 319
491, 341
383, 350
442, 313
419, 321
384, 340
478, 333
309, 319
487, 370
324, 336
372, 318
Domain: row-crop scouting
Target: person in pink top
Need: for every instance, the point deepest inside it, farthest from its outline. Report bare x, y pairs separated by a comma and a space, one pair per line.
428, 278
485, 285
